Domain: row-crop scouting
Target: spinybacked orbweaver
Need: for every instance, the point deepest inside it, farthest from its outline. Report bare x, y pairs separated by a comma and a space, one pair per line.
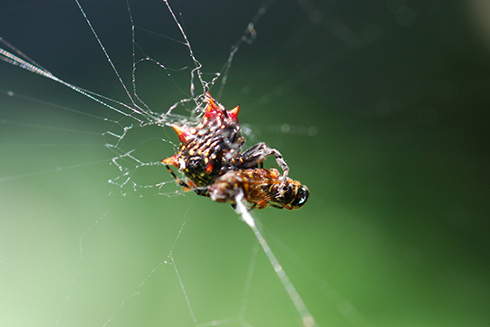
210, 157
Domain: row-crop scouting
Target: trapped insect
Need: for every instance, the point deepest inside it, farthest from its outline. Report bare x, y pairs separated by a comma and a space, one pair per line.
210, 157
261, 187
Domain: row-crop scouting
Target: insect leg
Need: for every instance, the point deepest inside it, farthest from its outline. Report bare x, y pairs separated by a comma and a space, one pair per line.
276, 206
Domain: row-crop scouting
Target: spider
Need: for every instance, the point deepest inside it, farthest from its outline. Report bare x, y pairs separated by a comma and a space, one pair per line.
213, 148
261, 187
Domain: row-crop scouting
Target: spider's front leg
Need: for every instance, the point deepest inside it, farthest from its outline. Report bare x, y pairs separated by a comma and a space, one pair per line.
190, 185
254, 156
179, 181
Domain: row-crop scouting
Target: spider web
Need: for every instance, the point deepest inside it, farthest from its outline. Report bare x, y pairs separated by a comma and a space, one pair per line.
130, 252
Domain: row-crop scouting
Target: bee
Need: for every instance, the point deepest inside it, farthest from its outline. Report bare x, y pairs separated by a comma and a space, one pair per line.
261, 187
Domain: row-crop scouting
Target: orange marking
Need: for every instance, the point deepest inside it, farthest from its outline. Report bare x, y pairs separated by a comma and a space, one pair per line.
184, 133
171, 161
233, 113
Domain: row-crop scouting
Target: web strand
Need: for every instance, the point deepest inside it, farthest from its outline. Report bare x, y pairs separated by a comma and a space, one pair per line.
197, 64
108, 58
15, 60
306, 317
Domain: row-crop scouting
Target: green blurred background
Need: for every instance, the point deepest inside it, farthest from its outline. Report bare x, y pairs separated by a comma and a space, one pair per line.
380, 107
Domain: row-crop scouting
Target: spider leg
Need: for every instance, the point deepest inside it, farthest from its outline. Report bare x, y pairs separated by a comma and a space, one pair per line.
179, 181
255, 155
203, 191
